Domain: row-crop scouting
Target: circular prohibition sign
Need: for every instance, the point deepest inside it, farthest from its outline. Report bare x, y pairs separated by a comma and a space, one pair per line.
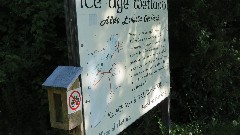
74, 100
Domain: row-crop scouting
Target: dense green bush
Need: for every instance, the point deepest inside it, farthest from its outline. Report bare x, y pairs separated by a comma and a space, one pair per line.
205, 59
32, 44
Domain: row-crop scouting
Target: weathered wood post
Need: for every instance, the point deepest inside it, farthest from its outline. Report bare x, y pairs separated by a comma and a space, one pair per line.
71, 31
165, 106
73, 49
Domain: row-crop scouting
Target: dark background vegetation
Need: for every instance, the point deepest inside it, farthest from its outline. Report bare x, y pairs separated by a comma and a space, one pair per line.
204, 60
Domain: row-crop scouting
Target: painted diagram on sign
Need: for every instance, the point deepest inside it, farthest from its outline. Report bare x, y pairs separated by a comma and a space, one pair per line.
124, 49
74, 100
103, 70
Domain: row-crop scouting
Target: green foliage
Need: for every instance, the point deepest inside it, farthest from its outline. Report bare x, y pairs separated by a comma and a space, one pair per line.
33, 43
193, 128
204, 59
212, 127
216, 127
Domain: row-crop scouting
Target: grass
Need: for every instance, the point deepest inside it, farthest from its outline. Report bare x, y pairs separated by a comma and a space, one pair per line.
226, 127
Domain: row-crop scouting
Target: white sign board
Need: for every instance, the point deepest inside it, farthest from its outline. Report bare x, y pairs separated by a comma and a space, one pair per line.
124, 51
74, 100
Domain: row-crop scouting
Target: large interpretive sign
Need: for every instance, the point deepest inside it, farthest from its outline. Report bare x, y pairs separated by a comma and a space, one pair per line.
124, 52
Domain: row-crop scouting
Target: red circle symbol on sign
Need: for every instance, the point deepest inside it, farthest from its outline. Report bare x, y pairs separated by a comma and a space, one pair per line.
74, 100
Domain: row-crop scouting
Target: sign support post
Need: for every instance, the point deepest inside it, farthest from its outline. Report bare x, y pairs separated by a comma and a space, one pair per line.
71, 31
165, 106
73, 49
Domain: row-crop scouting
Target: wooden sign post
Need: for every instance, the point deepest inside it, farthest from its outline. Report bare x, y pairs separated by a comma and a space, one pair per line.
165, 106
73, 49
72, 32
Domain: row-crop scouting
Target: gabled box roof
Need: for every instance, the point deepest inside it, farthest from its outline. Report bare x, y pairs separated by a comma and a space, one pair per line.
63, 77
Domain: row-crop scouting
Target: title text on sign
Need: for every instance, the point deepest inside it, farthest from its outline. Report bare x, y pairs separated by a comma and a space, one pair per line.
120, 5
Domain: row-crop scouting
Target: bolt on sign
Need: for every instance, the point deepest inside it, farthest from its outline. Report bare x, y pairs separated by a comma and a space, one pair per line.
124, 49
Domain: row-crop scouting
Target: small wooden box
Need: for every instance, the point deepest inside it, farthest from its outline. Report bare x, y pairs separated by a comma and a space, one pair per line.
64, 95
